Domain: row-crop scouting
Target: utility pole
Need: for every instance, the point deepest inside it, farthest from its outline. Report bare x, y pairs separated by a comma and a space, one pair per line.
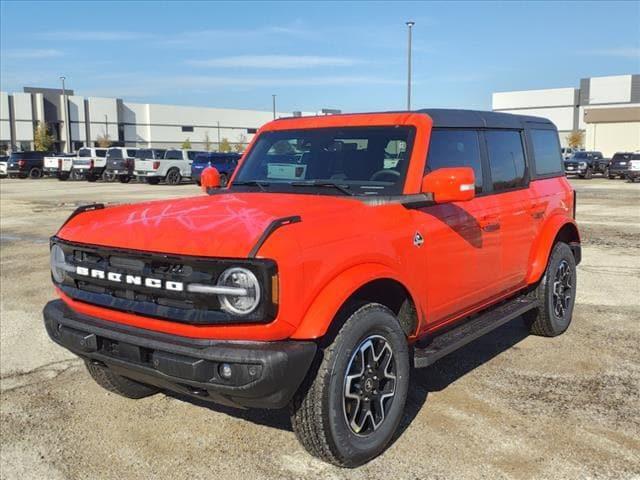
409, 24
273, 98
67, 120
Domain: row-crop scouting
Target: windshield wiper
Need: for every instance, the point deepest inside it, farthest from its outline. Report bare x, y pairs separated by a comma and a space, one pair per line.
315, 183
252, 183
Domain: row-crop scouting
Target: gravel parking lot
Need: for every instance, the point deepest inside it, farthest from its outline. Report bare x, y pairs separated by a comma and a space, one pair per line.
507, 406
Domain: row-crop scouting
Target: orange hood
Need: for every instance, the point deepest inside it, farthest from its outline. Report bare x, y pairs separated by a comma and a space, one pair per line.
222, 225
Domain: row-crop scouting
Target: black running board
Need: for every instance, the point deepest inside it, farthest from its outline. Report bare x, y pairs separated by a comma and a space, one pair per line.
458, 336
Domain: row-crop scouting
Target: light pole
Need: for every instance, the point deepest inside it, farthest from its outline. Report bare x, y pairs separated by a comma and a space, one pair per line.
67, 121
409, 24
273, 98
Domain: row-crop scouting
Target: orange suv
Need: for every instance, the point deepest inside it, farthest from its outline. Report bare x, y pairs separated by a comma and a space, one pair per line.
345, 251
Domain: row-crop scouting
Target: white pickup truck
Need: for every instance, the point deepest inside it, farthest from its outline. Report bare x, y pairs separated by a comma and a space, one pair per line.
175, 166
53, 165
73, 166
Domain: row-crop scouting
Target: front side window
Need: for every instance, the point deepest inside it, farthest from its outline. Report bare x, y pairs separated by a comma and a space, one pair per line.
132, 153
145, 154
506, 159
545, 151
455, 148
360, 160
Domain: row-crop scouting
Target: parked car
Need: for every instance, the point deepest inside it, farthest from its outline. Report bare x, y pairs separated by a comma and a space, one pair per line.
80, 166
175, 166
225, 163
633, 167
619, 165
4, 159
120, 164
319, 277
567, 152
52, 164
97, 166
26, 164
585, 164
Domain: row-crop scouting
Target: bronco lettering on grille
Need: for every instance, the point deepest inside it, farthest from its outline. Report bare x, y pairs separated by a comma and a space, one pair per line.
130, 279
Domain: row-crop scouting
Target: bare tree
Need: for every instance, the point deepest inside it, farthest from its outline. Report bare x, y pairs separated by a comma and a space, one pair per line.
575, 139
104, 141
186, 145
207, 142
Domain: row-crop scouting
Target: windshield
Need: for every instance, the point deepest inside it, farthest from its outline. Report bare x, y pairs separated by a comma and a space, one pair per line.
580, 155
364, 160
84, 152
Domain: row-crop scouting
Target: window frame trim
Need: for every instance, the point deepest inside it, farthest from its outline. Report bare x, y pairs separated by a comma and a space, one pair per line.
527, 163
543, 176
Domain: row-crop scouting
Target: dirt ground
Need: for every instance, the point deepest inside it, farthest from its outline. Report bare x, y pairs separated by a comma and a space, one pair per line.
508, 406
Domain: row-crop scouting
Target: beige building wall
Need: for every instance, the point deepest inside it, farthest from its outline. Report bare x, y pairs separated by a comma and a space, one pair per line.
613, 137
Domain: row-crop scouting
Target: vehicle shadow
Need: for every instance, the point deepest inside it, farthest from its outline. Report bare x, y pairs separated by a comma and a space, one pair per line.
434, 378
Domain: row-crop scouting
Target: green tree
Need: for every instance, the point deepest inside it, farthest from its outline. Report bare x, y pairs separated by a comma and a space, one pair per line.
42, 139
104, 141
186, 145
241, 144
207, 142
575, 139
224, 146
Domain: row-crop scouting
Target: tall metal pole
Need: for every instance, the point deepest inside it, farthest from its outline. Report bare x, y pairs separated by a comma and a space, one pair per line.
273, 97
409, 24
67, 122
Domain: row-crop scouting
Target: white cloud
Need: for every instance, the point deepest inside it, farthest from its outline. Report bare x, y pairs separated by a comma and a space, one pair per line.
32, 53
625, 52
275, 61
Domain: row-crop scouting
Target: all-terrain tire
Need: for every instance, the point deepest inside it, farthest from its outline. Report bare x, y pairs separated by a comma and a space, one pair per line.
545, 320
319, 408
118, 384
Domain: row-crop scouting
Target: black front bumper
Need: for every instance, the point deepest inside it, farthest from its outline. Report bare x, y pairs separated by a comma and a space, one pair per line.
264, 374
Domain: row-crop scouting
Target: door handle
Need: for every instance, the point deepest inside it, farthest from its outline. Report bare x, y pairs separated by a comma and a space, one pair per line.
490, 223
537, 210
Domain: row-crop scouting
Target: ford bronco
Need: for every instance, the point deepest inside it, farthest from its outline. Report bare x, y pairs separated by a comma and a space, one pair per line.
345, 251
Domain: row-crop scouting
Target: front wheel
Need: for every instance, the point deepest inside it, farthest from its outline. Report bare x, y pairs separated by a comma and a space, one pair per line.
556, 293
349, 410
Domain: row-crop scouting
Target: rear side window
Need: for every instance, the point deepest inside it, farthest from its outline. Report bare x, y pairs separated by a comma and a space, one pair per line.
173, 155
546, 151
455, 148
101, 153
192, 155
506, 159
132, 153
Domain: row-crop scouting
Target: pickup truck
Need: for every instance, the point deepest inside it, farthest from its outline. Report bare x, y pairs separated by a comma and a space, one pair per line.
120, 163
620, 164
322, 274
98, 165
72, 166
26, 164
585, 164
171, 169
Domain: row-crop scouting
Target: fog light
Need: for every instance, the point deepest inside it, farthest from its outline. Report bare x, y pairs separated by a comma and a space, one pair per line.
225, 371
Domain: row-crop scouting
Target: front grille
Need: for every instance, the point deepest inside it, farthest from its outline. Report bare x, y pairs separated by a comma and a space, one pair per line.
181, 306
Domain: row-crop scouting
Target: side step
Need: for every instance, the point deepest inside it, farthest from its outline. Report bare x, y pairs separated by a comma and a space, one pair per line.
468, 331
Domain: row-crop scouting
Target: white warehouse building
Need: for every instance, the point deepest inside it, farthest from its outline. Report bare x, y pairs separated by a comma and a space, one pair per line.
605, 109
125, 123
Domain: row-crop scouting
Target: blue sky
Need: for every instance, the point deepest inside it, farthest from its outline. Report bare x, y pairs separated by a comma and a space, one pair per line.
313, 54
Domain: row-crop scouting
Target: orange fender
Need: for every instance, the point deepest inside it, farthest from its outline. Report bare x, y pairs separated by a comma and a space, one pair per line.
322, 311
543, 244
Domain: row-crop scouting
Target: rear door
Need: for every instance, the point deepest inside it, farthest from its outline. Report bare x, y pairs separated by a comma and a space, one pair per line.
509, 179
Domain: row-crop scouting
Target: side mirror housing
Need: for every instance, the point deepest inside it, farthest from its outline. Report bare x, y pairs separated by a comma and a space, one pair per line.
457, 184
209, 179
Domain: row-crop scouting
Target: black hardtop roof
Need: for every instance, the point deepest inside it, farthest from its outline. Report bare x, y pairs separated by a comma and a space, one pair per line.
450, 117
445, 117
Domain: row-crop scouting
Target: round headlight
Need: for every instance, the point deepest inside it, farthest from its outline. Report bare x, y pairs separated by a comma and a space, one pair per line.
247, 297
58, 263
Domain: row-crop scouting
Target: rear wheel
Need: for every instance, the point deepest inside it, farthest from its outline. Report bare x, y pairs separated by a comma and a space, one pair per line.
118, 384
124, 178
63, 177
556, 293
589, 174
348, 412
35, 173
91, 177
173, 177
